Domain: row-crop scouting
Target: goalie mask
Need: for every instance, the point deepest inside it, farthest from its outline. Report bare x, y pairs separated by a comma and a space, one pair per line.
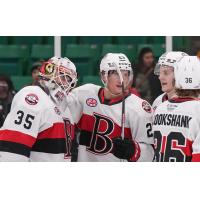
168, 60
111, 62
58, 73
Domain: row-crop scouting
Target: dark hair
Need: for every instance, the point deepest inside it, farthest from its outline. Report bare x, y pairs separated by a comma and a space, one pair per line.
144, 51
187, 93
5, 78
36, 65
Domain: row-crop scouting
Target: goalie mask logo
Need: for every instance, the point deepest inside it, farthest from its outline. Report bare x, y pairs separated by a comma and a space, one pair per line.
32, 99
49, 68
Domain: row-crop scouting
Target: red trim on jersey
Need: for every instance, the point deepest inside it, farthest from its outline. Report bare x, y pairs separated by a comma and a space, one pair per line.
135, 92
187, 149
196, 157
55, 131
164, 140
87, 123
110, 101
136, 155
165, 97
17, 137
182, 99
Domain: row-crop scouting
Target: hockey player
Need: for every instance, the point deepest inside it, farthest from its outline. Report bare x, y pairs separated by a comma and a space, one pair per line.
165, 70
98, 114
176, 121
34, 129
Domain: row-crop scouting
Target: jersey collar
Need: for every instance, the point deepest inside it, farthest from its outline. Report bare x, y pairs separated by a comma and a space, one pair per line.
165, 97
182, 99
110, 101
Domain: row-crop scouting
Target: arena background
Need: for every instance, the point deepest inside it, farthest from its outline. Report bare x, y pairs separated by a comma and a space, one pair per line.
18, 53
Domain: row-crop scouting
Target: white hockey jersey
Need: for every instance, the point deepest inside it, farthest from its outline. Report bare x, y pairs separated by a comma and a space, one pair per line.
160, 99
34, 129
100, 121
176, 130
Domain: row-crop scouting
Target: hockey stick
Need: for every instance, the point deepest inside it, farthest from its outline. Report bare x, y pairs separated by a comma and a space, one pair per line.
123, 100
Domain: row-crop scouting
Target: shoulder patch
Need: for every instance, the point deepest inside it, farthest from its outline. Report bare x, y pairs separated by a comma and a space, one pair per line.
91, 102
146, 106
31, 99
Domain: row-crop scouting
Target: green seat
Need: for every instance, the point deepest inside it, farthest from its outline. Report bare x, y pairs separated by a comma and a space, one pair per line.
42, 51
92, 79
156, 39
13, 51
64, 40
181, 43
20, 81
134, 40
3, 39
82, 51
159, 49
128, 50
13, 59
95, 39
11, 69
27, 40
84, 69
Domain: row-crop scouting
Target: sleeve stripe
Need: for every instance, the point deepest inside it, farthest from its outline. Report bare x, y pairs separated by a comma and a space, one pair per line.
16, 148
55, 131
17, 137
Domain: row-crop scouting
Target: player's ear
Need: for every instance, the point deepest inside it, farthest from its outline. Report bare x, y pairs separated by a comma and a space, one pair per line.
103, 76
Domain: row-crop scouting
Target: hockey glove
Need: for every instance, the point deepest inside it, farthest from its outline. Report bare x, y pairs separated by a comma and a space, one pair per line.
126, 149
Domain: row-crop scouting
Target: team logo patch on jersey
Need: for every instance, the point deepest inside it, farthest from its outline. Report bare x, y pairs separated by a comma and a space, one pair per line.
91, 102
32, 99
171, 107
146, 106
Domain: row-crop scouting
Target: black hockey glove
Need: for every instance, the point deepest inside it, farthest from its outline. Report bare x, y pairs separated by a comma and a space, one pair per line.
125, 149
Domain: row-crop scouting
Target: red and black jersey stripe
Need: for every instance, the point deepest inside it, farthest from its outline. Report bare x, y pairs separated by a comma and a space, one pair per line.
16, 148
54, 146
87, 123
16, 142
51, 140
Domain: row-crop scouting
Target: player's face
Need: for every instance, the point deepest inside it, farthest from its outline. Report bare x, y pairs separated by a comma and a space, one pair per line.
35, 74
166, 77
3, 89
148, 59
114, 84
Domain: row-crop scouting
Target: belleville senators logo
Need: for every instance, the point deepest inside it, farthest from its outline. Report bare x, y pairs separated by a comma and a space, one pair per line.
91, 102
31, 99
146, 106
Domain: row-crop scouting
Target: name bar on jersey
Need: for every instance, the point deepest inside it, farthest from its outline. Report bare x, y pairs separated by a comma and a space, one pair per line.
172, 120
